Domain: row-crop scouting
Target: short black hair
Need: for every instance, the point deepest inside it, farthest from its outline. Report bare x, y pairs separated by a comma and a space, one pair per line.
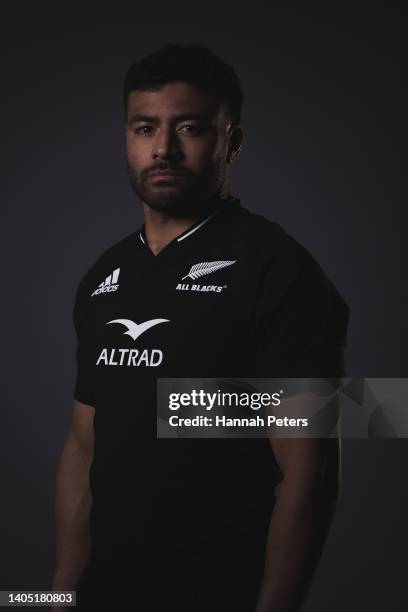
191, 63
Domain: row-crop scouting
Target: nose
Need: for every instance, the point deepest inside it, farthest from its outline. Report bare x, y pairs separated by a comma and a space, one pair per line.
165, 144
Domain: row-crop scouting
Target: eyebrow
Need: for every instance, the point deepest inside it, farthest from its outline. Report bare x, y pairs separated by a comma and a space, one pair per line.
174, 118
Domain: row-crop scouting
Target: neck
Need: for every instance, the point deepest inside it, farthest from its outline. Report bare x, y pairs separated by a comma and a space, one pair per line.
161, 228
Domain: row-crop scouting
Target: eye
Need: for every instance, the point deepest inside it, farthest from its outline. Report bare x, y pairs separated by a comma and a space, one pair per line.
191, 128
140, 130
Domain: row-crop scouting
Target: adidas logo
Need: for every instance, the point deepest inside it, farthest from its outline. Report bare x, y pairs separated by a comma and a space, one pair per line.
109, 284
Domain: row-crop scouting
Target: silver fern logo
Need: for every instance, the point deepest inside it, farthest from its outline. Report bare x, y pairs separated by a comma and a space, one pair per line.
207, 267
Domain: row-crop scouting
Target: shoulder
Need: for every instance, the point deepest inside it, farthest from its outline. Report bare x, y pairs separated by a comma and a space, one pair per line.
287, 263
271, 242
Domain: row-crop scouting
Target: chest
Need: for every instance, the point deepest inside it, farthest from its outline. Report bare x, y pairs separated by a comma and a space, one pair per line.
187, 318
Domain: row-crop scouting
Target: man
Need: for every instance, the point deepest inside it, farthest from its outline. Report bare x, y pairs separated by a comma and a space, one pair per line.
204, 288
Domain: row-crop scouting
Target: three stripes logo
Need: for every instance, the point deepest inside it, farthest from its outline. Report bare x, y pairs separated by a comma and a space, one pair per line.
109, 284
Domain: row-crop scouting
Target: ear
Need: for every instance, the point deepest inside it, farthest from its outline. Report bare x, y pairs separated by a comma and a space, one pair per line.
235, 138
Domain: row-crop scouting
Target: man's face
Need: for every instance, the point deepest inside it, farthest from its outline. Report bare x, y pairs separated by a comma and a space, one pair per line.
178, 129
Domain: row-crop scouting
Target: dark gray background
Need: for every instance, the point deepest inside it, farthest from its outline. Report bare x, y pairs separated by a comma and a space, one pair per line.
322, 126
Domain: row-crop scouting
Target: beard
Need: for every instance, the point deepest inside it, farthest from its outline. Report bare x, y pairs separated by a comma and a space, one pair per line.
189, 195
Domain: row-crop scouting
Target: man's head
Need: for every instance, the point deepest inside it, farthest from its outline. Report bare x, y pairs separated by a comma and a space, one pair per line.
183, 110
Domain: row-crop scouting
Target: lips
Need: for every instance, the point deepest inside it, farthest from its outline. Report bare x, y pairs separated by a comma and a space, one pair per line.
164, 173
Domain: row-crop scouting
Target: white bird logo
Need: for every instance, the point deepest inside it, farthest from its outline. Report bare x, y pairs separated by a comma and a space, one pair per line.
134, 330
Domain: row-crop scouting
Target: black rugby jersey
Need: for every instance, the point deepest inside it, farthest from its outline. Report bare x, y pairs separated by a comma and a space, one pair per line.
232, 296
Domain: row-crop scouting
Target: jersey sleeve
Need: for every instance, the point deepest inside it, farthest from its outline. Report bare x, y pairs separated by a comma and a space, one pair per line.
83, 387
300, 324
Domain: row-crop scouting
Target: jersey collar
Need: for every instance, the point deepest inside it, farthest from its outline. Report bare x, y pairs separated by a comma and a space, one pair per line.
226, 205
